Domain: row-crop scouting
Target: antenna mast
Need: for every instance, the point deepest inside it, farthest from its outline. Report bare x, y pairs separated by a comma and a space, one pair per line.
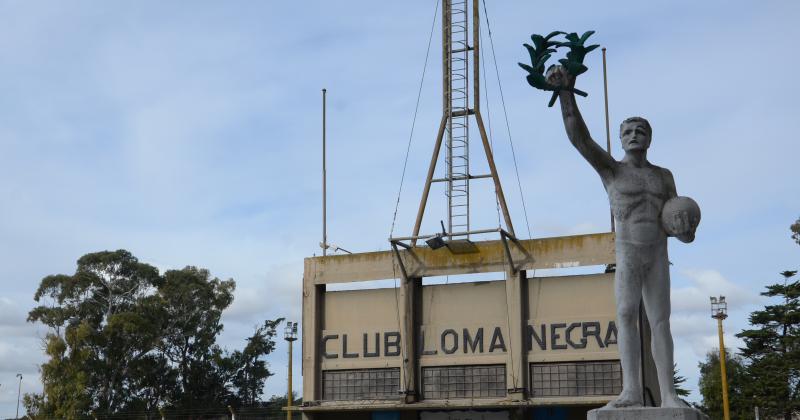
324, 243
460, 99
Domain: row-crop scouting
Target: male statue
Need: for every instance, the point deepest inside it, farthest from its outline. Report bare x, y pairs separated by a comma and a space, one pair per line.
637, 191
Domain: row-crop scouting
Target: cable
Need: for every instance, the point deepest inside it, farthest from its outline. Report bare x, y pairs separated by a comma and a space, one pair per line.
505, 112
489, 121
414, 120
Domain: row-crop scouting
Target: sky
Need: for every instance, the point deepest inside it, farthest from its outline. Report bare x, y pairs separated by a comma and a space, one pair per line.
190, 134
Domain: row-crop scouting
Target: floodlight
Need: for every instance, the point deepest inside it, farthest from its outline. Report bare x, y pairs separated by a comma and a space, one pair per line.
719, 308
290, 331
436, 242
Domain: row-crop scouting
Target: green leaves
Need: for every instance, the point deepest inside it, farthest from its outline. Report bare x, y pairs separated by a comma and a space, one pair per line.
772, 348
542, 50
125, 338
710, 386
577, 52
766, 374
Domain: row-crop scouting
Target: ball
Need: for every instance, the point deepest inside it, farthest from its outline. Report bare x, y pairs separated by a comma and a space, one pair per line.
675, 206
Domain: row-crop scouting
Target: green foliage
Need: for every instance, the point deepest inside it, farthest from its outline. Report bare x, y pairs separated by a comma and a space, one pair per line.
795, 228
124, 338
767, 374
543, 48
577, 52
540, 52
280, 401
772, 348
678, 380
251, 372
710, 385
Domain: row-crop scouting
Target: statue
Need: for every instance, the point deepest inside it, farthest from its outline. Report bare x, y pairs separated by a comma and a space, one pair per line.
637, 191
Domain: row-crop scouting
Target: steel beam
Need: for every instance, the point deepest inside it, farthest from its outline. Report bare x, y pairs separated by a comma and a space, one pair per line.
556, 252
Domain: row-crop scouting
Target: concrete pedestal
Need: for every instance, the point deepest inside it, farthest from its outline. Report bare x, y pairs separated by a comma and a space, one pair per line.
646, 413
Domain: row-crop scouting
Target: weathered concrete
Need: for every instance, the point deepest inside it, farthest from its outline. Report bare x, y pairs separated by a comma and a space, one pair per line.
637, 191
529, 254
646, 413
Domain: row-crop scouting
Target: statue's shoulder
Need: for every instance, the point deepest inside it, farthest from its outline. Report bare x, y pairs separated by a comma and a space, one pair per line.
666, 178
663, 171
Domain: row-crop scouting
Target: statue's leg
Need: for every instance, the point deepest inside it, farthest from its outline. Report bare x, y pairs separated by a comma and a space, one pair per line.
628, 291
655, 291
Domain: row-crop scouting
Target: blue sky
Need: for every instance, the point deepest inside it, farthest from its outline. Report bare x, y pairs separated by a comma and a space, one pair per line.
191, 135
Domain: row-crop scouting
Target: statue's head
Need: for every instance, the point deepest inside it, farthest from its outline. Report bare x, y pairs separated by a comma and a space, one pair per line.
635, 133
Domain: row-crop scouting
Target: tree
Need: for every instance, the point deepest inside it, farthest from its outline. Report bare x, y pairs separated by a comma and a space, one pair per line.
678, 380
191, 303
251, 371
125, 339
277, 402
773, 349
710, 384
795, 228
97, 334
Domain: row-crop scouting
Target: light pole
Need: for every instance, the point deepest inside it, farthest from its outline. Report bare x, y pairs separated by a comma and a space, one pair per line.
19, 389
719, 311
290, 335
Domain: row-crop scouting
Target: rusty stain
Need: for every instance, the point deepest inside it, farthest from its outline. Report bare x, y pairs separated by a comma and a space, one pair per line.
490, 256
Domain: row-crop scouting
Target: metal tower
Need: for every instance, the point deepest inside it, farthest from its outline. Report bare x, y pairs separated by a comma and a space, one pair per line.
460, 100
457, 110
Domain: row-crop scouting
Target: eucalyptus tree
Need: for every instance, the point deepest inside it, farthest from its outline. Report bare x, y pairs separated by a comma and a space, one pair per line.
123, 338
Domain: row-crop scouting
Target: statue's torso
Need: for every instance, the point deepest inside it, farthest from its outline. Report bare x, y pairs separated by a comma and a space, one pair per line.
637, 196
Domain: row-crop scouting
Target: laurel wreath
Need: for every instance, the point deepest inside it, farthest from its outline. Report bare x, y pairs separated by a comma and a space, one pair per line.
543, 48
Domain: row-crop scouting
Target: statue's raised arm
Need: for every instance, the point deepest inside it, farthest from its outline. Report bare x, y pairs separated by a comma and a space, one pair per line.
576, 128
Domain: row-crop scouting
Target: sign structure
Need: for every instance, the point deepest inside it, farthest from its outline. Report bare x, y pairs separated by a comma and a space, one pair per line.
466, 323
512, 344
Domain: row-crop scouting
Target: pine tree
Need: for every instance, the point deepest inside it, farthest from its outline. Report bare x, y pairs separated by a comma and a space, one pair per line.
773, 350
678, 380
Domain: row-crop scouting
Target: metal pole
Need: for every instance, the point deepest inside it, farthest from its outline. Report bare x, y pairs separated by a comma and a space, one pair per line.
608, 128
289, 394
324, 185
723, 371
476, 39
493, 169
431, 169
19, 390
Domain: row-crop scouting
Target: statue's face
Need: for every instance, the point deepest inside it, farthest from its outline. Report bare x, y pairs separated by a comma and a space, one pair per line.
634, 136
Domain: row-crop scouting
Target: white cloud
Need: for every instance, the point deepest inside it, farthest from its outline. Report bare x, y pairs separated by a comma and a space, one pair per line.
279, 294
706, 283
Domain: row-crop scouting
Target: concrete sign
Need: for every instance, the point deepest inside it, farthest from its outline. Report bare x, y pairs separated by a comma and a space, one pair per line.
571, 318
478, 340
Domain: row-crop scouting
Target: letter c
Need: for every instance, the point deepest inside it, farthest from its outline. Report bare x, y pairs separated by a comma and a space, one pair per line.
325, 339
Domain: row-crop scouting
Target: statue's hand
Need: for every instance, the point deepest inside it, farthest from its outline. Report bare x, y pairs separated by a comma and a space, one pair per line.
684, 225
557, 75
